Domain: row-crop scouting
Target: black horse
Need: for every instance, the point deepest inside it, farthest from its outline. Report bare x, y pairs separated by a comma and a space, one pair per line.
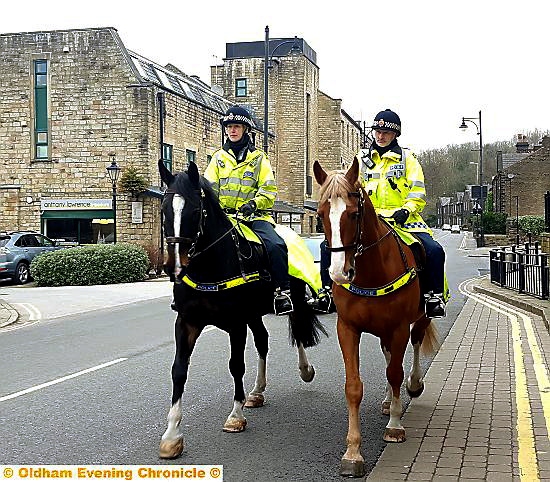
221, 279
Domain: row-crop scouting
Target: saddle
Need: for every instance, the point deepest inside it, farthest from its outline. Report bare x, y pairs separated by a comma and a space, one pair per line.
301, 264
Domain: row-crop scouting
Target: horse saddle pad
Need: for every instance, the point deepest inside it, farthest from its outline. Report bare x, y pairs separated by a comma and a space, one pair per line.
301, 264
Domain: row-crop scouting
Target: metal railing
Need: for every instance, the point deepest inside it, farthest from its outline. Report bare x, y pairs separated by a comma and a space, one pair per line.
523, 268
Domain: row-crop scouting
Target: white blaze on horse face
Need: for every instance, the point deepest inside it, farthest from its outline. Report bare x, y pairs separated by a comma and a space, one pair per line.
178, 202
337, 259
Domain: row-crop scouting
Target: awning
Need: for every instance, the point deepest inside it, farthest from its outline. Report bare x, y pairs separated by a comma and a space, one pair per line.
78, 214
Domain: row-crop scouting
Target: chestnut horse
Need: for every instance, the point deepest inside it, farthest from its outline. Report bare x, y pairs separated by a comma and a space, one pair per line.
376, 290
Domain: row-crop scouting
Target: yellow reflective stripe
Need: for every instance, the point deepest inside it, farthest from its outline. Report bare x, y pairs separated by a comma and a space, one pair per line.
384, 290
223, 285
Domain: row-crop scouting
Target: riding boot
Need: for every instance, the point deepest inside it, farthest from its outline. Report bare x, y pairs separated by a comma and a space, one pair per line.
324, 302
282, 303
435, 305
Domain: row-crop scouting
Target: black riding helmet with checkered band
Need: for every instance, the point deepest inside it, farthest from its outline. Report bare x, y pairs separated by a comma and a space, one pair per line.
387, 120
237, 115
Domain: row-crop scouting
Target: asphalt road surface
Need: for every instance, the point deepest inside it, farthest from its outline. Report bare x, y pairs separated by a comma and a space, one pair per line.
94, 388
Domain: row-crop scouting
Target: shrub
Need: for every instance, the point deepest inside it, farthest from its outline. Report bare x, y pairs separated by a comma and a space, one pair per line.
132, 182
91, 265
532, 224
494, 223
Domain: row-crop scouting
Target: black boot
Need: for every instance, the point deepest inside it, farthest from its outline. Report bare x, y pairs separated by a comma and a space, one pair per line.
282, 304
435, 305
324, 302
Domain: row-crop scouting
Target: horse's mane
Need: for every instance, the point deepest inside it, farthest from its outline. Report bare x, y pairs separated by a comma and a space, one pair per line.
336, 185
182, 185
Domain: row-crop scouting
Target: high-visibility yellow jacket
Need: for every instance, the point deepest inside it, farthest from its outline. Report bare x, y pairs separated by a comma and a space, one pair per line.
236, 183
395, 181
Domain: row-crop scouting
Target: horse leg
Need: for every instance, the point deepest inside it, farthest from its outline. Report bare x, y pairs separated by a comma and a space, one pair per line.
415, 382
171, 444
389, 392
394, 430
307, 372
256, 398
236, 422
352, 464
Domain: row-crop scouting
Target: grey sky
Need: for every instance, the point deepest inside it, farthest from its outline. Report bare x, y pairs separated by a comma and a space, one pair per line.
430, 61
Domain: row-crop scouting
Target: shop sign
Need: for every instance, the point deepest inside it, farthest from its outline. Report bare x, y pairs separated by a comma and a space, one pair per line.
75, 204
137, 212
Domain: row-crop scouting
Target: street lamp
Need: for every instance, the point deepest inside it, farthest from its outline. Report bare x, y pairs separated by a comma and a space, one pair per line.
517, 220
267, 61
463, 126
477, 170
510, 177
114, 171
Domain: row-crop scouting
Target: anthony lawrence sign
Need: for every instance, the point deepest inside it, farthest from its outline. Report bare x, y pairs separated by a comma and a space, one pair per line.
80, 204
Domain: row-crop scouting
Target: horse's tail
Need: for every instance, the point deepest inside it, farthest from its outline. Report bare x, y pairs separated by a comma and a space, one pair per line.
430, 343
303, 325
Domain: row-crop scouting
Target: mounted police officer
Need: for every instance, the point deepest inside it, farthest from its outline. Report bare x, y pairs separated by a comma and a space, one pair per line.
243, 178
394, 181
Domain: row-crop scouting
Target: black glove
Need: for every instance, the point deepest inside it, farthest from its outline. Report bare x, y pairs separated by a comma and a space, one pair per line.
400, 216
248, 208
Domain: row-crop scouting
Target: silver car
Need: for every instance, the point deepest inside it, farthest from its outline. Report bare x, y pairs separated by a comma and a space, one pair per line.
18, 249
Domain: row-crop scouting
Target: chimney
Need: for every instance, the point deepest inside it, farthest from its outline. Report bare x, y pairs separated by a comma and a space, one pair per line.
522, 144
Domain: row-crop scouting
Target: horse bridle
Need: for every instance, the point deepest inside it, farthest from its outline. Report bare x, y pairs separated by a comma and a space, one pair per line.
192, 242
357, 246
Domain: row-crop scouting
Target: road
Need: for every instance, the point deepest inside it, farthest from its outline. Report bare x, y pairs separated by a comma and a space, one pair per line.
116, 413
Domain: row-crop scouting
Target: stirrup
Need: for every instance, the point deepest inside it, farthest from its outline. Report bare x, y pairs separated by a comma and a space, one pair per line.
323, 303
282, 303
435, 305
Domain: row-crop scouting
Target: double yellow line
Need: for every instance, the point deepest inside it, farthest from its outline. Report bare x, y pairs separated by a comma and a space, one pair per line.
527, 457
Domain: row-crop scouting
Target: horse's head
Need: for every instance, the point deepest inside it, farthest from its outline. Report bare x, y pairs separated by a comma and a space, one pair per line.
183, 211
341, 209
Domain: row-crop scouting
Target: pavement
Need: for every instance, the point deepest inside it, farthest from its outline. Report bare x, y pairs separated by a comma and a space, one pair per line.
485, 411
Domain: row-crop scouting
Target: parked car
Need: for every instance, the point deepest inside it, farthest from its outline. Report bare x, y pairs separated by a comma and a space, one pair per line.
324, 303
446, 227
18, 249
455, 228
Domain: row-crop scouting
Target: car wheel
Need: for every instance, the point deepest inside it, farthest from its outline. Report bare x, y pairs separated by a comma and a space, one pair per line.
22, 274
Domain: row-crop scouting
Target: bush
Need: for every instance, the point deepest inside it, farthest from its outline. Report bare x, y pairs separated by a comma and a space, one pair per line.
494, 223
532, 224
99, 264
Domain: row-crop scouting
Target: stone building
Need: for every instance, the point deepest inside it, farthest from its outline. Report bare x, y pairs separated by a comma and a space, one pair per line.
74, 100
305, 123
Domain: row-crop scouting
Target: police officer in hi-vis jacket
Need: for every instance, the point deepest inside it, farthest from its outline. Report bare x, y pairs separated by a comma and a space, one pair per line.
394, 180
243, 178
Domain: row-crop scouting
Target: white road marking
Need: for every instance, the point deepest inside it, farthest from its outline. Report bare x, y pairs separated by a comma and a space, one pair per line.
62, 379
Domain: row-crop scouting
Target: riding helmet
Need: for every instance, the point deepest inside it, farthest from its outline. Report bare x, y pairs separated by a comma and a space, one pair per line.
237, 115
387, 120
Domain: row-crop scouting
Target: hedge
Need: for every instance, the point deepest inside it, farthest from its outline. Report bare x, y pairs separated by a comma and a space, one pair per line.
98, 264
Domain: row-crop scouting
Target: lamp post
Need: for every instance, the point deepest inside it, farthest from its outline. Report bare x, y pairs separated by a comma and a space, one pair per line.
510, 177
517, 220
267, 61
114, 171
463, 126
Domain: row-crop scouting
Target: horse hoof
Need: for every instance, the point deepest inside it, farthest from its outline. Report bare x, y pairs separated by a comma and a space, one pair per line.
307, 374
254, 401
352, 468
394, 435
171, 449
386, 408
415, 393
234, 425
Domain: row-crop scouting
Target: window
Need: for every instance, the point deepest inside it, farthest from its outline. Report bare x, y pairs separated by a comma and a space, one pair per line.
167, 150
190, 155
240, 88
41, 109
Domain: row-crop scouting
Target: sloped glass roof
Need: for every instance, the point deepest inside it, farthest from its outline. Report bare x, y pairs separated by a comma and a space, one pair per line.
180, 84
